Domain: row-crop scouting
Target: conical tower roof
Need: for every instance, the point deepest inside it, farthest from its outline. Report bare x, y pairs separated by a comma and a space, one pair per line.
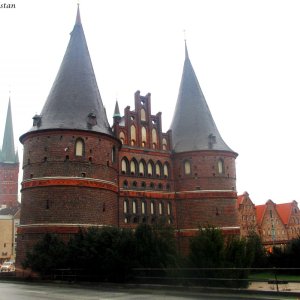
74, 101
193, 127
8, 154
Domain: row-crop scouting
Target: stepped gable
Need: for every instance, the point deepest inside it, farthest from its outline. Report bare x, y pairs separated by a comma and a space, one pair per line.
74, 101
193, 127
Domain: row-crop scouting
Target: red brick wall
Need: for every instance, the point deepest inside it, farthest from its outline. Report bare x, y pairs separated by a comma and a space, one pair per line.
70, 205
53, 154
203, 210
204, 171
9, 184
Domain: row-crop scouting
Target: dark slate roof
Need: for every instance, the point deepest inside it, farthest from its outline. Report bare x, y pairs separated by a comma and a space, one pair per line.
193, 127
74, 101
9, 211
8, 153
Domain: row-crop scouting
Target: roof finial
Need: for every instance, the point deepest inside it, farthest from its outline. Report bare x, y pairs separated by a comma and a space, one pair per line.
78, 19
186, 51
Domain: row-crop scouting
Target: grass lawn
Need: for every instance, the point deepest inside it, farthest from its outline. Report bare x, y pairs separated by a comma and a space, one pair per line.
268, 275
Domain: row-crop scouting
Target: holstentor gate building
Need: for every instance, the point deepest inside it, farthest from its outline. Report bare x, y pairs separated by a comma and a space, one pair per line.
78, 171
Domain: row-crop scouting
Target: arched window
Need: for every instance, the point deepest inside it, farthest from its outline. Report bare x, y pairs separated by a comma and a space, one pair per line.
221, 166
143, 207
133, 135
158, 169
160, 208
125, 184
144, 136
154, 136
126, 206
133, 167
79, 147
164, 144
187, 167
169, 208
143, 115
142, 168
122, 137
134, 206
124, 165
150, 168
152, 211
166, 170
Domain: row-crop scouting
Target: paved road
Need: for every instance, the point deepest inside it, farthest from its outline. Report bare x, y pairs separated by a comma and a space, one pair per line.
42, 291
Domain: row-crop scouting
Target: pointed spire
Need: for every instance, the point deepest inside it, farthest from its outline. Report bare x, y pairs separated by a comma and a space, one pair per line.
8, 154
74, 101
193, 127
78, 19
117, 110
186, 50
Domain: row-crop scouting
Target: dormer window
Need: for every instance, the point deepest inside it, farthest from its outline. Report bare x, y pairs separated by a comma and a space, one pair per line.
91, 120
211, 140
37, 120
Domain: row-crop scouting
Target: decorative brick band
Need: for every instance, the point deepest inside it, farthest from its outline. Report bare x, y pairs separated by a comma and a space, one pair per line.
192, 232
206, 194
70, 181
146, 194
53, 228
178, 195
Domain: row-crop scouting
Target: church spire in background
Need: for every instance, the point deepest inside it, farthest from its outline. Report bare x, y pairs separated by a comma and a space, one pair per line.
8, 153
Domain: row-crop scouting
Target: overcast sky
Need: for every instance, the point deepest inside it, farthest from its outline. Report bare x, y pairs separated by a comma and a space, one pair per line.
246, 55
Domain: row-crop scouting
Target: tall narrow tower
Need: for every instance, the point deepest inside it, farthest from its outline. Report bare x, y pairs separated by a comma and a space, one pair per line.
204, 166
70, 166
9, 165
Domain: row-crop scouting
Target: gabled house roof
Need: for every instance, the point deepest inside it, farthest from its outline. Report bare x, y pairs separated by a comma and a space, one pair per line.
285, 211
260, 212
9, 211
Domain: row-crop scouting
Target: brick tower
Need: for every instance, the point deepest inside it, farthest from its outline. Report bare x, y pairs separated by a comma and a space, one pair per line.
70, 166
9, 165
204, 166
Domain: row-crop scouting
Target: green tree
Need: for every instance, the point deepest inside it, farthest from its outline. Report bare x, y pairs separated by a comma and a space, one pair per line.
256, 252
207, 248
47, 255
156, 246
106, 254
